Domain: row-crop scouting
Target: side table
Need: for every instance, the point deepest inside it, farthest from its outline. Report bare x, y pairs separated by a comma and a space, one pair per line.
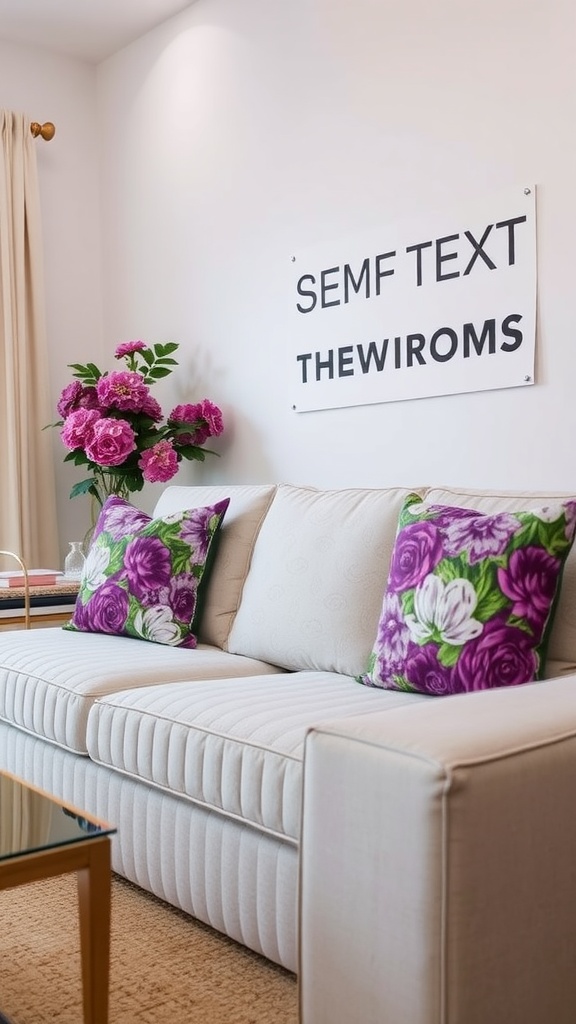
49, 606
39, 838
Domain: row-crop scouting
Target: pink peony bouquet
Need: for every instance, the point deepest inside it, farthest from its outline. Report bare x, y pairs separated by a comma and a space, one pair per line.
114, 426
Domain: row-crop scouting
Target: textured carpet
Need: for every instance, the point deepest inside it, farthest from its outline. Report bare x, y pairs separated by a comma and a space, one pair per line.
164, 965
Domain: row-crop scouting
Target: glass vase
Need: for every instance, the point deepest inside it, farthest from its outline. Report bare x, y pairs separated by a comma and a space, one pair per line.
74, 561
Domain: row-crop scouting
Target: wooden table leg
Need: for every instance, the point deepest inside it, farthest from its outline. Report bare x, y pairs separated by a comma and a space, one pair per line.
94, 893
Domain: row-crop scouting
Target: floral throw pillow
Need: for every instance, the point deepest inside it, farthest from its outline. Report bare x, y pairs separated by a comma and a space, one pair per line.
144, 577
470, 598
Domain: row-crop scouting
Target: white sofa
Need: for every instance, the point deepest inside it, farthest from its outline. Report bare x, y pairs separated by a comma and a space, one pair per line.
412, 858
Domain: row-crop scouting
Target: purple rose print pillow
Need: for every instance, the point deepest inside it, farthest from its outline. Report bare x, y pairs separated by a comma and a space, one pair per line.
143, 577
470, 598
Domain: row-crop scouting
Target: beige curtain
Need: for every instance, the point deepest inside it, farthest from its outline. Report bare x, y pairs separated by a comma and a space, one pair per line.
27, 496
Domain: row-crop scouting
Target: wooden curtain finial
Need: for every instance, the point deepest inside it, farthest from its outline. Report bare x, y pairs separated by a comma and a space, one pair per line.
46, 130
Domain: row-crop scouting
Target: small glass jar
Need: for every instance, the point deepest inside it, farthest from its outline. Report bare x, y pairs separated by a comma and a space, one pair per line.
74, 561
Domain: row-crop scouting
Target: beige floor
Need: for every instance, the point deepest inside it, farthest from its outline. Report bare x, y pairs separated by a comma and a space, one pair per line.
165, 966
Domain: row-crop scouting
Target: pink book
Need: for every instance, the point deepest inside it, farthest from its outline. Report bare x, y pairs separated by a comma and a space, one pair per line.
36, 578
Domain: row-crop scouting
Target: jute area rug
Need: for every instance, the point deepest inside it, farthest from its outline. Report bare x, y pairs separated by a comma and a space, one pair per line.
164, 965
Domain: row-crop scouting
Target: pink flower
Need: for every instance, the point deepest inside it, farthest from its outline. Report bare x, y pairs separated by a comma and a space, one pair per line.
111, 442
159, 463
123, 389
110, 420
78, 428
204, 417
213, 416
479, 536
530, 580
152, 409
184, 415
76, 396
70, 398
89, 399
128, 347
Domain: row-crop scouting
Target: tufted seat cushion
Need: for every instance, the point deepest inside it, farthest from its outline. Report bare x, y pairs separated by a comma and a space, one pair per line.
49, 678
236, 749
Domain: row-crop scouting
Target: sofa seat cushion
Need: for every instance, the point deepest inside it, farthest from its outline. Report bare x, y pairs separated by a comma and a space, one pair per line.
49, 678
232, 746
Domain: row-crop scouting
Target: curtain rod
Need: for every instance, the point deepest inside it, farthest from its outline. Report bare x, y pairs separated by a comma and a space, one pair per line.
46, 130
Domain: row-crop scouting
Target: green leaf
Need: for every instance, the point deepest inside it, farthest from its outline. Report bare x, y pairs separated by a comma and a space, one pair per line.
158, 371
147, 356
166, 361
133, 481
84, 487
79, 458
148, 442
407, 599
452, 569
405, 514
490, 605
89, 374
191, 453
448, 655
522, 624
116, 563
490, 598
554, 539
180, 556
536, 532
402, 683
166, 349
486, 580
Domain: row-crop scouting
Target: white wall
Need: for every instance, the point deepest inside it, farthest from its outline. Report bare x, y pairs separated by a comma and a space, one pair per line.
237, 133
49, 87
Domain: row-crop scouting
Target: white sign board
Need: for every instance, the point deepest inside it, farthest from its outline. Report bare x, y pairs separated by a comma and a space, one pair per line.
441, 306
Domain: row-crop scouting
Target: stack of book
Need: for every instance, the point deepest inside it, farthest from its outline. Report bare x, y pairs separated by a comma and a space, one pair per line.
36, 578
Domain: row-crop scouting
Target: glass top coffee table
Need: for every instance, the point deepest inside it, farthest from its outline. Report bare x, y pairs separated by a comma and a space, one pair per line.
41, 837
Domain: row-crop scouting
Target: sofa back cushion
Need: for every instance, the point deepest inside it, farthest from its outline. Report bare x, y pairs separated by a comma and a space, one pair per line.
247, 509
562, 643
313, 594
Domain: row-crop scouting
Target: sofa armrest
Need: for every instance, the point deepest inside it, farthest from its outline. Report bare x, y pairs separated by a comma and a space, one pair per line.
438, 862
